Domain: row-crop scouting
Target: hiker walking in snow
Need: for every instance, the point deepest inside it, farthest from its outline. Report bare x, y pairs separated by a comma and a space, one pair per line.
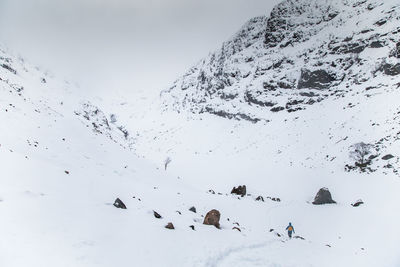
290, 229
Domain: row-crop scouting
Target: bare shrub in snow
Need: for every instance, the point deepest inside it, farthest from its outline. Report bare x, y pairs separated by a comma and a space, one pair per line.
362, 154
166, 162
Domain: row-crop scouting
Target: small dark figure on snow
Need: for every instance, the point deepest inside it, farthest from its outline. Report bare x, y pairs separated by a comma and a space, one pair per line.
290, 229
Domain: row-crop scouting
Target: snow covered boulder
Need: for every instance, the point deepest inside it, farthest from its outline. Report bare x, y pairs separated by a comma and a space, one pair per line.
119, 204
323, 197
212, 218
240, 190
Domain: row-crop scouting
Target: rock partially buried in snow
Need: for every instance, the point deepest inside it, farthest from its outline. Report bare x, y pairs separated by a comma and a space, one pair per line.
240, 190
212, 218
323, 197
260, 198
157, 215
170, 226
357, 203
119, 204
193, 209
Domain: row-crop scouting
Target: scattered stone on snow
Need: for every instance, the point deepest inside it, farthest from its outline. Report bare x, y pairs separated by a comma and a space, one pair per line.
193, 209
192, 226
236, 228
157, 215
119, 204
170, 226
357, 203
260, 198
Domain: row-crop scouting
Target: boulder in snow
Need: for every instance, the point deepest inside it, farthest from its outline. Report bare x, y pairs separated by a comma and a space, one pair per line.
240, 190
119, 204
170, 226
212, 218
323, 197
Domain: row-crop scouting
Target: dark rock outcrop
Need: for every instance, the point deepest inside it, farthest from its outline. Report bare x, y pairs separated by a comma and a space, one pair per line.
7, 67
323, 197
391, 70
212, 218
376, 44
319, 79
240, 190
387, 157
119, 204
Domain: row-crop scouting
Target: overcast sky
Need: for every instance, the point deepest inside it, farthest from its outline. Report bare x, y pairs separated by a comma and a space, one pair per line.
122, 44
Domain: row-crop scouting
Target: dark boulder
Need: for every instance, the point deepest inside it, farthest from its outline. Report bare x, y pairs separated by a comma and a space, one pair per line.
119, 204
212, 218
193, 209
277, 109
387, 157
240, 190
170, 226
236, 228
7, 67
319, 79
192, 226
397, 51
323, 197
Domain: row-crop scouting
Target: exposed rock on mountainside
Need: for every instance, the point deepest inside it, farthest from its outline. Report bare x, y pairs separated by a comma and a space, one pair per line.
303, 53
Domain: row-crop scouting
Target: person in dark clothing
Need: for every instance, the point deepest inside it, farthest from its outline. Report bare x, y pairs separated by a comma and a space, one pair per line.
290, 229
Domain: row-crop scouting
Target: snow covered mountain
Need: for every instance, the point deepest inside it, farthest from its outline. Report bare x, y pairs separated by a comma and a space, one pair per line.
301, 87
303, 53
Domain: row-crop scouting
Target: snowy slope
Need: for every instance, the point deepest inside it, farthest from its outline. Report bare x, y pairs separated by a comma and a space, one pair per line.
65, 159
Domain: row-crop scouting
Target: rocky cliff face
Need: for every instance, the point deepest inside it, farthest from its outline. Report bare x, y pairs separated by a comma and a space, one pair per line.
302, 53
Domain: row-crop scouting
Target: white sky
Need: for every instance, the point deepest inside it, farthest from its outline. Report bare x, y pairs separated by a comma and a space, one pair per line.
133, 45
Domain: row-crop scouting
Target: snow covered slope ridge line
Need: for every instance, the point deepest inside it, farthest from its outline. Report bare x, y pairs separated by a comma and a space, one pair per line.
303, 53
52, 98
